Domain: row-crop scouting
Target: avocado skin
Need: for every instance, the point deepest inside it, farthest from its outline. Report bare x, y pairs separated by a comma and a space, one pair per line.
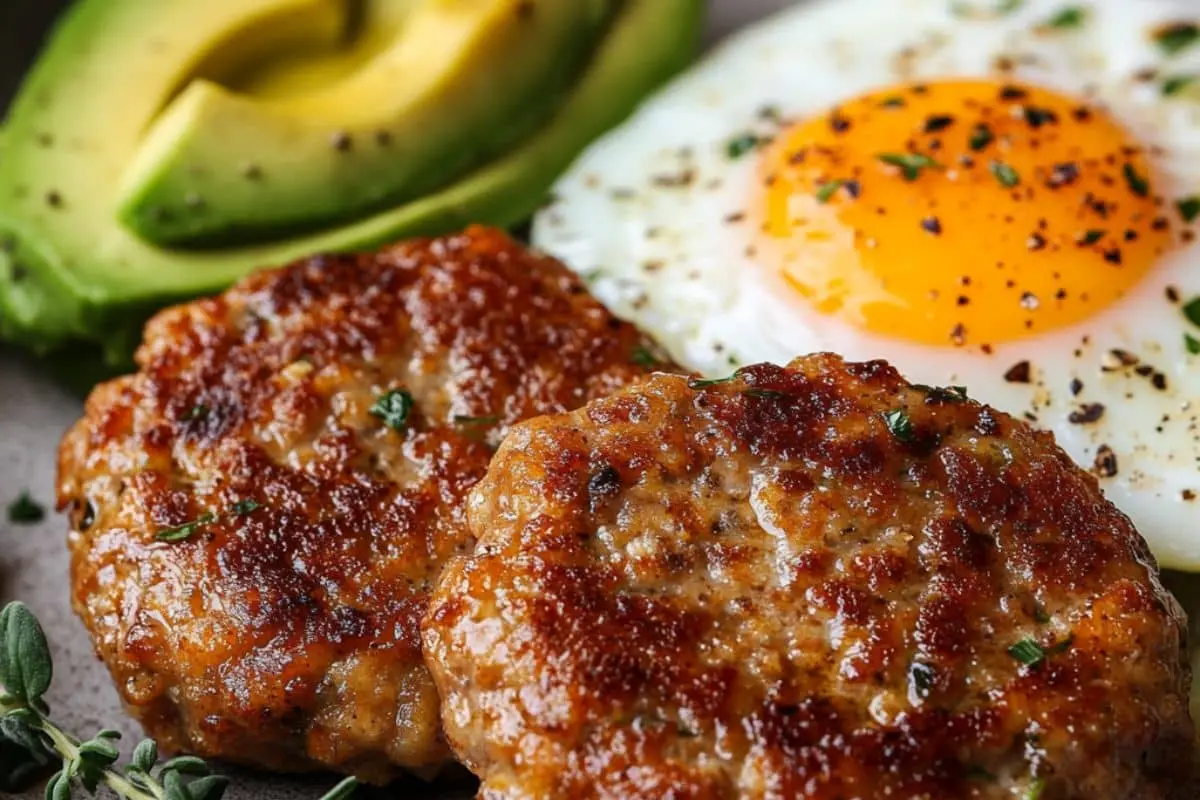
48, 306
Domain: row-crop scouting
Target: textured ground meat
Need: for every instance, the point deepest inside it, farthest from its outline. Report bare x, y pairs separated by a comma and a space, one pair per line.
815, 581
252, 547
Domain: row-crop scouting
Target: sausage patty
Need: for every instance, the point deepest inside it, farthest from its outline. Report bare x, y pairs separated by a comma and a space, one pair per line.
260, 512
814, 581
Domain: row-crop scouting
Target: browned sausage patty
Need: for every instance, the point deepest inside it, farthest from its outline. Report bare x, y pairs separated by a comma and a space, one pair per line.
253, 547
814, 581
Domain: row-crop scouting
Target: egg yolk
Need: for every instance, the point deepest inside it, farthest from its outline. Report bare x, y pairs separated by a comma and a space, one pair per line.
962, 211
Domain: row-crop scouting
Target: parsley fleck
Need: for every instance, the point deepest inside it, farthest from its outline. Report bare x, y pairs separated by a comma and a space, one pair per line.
1189, 208
1036, 788
764, 394
1028, 652
1069, 17
899, 424
644, 357
394, 408
1177, 83
704, 384
25, 510
1192, 344
463, 419
1006, 175
910, 164
893, 101
1092, 236
981, 137
827, 189
741, 145
185, 531
247, 506
1040, 615
1191, 310
1177, 37
1137, 184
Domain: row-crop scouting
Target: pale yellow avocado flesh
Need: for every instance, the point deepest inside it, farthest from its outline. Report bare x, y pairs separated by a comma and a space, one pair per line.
462, 80
72, 278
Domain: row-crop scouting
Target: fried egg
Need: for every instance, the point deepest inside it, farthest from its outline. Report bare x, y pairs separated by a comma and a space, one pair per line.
995, 194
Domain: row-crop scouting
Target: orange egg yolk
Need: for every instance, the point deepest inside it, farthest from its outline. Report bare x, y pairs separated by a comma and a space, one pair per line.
961, 211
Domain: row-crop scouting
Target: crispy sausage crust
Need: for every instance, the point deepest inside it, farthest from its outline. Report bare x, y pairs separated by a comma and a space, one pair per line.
283, 631
762, 589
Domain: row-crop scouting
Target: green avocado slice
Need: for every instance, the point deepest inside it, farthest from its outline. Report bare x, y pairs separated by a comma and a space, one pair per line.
72, 275
462, 81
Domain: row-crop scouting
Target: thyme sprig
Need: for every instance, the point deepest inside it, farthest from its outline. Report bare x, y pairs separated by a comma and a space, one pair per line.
30, 742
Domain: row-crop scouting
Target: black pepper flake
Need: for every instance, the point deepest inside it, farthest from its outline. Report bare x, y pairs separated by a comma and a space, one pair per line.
1082, 114
1035, 242
1037, 117
938, 122
1113, 255
1087, 414
1159, 381
853, 189
1021, 372
895, 101
1105, 465
1076, 386
1029, 301
838, 123
932, 225
958, 335
1063, 174
1013, 93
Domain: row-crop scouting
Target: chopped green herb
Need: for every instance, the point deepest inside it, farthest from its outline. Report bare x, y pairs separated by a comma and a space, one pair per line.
1137, 184
1036, 789
1189, 208
394, 408
910, 164
894, 101
185, 531
764, 394
1191, 310
1178, 37
826, 190
25, 510
644, 357
1001, 8
1006, 175
1028, 652
943, 394
899, 424
741, 145
978, 773
1069, 17
198, 411
981, 137
1177, 83
704, 384
247, 506
1192, 344
1040, 615
462, 419
1092, 236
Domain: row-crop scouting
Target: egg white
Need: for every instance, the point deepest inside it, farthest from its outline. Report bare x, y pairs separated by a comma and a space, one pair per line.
650, 215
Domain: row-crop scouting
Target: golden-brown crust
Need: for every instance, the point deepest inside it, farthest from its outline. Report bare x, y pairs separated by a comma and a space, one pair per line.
761, 589
283, 633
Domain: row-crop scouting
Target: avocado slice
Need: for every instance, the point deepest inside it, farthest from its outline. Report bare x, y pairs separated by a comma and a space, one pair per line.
463, 80
71, 274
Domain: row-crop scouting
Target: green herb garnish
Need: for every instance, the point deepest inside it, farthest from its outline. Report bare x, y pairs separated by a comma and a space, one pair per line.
1069, 17
1189, 208
764, 394
1092, 236
185, 531
248, 506
910, 164
1036, 789
899, 424
1005, 174
1176, 38
1177, 83
463, 419
394, 408
1137, 184
741, 145
694, 383
1028, 652
32, 741
981, 137
827, 189
644, 357
25, 510
1192, 344
1191, 310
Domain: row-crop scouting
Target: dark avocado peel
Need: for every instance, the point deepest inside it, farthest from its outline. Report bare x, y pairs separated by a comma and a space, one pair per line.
75, 279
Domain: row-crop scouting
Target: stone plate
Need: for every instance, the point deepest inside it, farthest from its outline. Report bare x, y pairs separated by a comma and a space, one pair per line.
34, 411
